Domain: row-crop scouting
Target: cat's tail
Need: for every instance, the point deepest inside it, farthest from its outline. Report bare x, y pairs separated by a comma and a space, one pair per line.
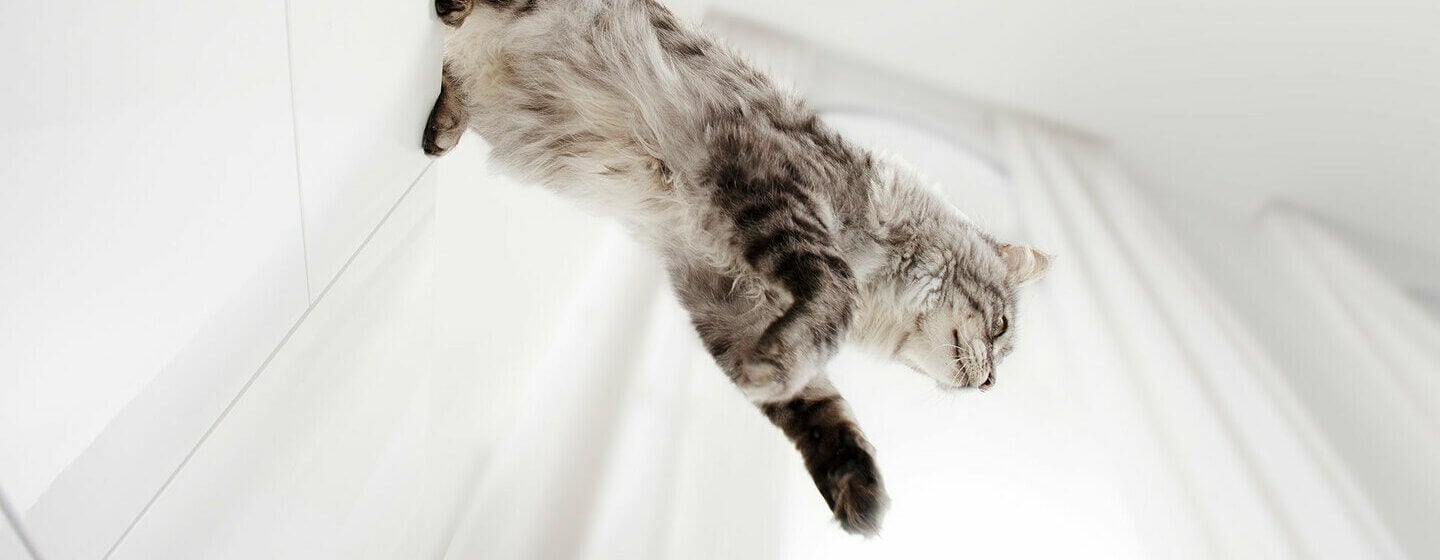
839, 459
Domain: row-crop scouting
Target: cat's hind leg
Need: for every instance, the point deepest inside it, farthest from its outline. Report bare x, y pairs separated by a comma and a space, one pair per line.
448, 118
836, 453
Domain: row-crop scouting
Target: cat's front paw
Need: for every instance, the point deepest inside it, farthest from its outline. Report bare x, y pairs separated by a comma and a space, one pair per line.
859, 500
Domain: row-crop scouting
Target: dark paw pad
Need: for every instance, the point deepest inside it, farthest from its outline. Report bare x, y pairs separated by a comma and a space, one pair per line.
429, 143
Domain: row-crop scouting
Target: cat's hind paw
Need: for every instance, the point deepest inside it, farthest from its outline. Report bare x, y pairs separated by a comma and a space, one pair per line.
453, 12
438, 141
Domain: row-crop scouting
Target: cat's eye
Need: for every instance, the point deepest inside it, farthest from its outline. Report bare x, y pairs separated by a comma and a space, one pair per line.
1001, 327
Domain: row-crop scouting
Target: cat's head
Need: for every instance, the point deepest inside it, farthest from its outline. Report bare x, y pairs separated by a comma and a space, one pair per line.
942, 300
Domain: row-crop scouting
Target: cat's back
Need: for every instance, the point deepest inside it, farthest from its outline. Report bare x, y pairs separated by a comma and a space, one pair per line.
622, 107
623, 70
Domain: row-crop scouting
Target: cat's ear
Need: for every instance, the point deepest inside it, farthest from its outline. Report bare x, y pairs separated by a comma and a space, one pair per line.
1025, 264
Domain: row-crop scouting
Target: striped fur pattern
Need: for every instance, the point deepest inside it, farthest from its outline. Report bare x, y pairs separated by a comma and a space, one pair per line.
782, 239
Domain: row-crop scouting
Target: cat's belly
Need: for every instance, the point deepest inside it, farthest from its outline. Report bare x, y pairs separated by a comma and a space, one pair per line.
580, 139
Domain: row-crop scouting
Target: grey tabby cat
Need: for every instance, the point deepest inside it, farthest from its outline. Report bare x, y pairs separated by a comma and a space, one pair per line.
781, 239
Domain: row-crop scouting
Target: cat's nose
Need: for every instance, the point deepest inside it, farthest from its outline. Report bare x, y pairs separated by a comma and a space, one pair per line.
989, 382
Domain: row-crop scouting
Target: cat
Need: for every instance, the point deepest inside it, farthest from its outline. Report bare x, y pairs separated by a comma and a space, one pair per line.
781, 239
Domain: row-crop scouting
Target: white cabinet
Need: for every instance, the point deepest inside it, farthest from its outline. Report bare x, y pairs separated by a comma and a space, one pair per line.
167, 167
342, 448
11, 545
366, 75
149, 235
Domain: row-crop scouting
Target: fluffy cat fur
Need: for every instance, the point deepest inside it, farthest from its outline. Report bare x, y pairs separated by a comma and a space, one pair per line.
782, 239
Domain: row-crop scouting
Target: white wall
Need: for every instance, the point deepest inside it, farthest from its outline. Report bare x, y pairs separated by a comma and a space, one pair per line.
511, 256
130, 224
1368, 421
183, 183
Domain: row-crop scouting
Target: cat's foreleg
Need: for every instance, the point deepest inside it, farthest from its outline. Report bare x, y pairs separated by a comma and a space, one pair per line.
814, 416
448, 118
792, 350
840, 460
453, 12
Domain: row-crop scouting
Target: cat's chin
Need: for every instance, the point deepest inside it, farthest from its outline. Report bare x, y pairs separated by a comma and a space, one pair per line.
955, 387
945, 386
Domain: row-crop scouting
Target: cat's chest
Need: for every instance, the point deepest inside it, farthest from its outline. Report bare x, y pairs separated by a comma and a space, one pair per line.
482, 54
